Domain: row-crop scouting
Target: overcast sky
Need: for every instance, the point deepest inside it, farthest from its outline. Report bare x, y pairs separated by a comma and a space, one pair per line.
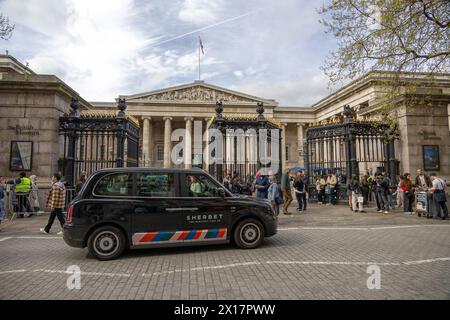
103, 48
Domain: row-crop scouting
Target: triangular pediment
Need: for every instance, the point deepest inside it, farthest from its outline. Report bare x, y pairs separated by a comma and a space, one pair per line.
198, 92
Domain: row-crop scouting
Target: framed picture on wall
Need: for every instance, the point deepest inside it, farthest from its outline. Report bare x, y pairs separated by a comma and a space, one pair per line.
431, 158
21, 155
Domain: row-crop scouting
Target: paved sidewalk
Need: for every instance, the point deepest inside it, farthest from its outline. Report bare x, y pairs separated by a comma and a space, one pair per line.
324, 253
315, 215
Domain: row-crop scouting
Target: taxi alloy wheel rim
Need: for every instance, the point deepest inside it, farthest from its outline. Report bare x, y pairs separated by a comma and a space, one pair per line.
250, 233
106, 243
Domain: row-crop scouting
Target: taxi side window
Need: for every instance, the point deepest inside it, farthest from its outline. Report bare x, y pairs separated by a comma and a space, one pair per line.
117, 184
201, 186
155, 184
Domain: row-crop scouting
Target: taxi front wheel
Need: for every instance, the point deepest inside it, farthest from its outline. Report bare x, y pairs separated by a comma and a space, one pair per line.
248, 234
106, 243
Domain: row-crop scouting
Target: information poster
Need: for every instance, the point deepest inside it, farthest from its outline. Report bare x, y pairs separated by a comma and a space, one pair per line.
21, 155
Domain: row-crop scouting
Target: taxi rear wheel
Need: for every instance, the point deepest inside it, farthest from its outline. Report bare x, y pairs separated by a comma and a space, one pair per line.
248, 234
106, 243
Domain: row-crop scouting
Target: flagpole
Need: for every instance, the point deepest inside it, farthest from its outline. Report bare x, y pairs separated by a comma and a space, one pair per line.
199, 59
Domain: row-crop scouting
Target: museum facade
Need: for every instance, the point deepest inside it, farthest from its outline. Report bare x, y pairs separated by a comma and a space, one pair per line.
32, 104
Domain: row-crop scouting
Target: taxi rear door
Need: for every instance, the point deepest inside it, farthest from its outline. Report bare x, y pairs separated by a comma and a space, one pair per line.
155, 218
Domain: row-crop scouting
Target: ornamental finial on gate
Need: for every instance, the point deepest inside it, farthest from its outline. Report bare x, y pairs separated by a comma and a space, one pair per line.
348, 113
121, 106
219, 109
260, 110
75, 106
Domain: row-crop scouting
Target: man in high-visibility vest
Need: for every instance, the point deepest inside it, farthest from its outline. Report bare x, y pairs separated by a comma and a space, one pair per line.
22, 190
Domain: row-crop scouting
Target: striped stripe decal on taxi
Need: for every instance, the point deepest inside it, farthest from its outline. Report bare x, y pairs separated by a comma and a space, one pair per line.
177, 236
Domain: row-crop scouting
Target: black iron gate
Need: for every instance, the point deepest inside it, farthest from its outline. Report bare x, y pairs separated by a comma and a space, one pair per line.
244, 139
97, 140
350, 148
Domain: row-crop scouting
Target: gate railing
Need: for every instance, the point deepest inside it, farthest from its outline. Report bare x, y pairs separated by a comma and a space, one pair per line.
96, 140
349, 148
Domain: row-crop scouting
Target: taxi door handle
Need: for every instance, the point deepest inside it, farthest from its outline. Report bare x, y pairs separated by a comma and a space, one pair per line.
181, 209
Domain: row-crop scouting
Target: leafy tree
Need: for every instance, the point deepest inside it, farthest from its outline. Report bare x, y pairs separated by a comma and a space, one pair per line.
6, 28
392, 35
389, 35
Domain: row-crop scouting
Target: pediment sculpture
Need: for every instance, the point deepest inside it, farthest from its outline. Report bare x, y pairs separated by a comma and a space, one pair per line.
197, 94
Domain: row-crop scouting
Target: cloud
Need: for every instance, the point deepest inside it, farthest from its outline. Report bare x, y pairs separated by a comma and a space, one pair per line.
105, 48
300, 91
200, 12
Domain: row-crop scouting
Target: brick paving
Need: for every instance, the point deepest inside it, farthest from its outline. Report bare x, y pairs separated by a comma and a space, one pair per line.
321, 254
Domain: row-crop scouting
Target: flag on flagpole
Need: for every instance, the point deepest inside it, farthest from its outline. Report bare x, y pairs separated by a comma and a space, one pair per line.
200, 45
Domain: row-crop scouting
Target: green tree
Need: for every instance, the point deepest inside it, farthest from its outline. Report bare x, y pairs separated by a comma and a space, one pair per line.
391, 35
6, 28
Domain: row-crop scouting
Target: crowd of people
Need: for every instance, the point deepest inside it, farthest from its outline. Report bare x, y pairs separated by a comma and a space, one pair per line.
388, 194
24, 192
377, 188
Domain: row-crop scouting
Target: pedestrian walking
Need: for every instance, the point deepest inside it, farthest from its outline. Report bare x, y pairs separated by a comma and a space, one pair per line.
300, 192
286, 190
439, 196
55, 201
408, 193
273, 194
34, 196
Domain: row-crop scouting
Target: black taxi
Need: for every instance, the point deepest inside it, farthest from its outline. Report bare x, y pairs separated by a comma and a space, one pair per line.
133, 208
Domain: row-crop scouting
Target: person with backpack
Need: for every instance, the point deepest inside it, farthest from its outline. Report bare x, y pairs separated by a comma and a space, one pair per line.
439, 196
56, 201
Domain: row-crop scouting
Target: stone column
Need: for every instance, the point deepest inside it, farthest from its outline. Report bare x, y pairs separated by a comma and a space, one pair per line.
150, 142
167, 142
300, 144
145, 141
283, 145
188, 143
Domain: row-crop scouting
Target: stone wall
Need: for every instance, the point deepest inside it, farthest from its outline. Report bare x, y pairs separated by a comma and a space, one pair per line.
31, 116
421, 126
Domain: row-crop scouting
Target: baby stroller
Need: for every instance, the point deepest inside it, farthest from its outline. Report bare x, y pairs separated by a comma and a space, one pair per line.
422, 203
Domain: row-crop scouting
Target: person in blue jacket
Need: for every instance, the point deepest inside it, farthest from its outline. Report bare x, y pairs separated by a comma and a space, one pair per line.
261, 185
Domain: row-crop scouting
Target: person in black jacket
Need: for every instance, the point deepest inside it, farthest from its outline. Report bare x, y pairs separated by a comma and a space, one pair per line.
356, 194
300, 191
